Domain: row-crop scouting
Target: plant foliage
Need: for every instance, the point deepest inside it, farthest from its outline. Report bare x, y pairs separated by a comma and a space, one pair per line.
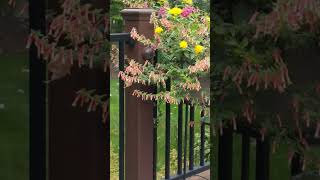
261, 78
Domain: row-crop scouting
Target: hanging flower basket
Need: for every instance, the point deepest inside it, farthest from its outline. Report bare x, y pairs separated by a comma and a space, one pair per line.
183, 55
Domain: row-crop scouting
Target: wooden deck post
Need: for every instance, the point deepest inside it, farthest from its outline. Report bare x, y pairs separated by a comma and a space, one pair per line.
138, 113
78, 141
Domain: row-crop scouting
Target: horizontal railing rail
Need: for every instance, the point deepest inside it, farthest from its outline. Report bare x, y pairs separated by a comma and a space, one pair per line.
116, 37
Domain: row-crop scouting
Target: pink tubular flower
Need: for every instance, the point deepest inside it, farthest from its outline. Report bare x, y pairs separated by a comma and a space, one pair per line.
200, 66
165, 23
187, 11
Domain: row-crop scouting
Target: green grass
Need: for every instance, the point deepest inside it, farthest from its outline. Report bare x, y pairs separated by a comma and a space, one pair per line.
14, 118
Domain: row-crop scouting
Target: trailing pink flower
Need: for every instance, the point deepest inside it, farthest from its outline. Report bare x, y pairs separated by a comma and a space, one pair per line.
191, 85
200, 66
134, 68
166, 23
161, 96
140, 38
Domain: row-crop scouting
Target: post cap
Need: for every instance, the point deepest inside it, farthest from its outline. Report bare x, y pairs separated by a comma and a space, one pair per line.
133, 14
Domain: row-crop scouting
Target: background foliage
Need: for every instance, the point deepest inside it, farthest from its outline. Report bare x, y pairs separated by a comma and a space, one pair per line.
264, 75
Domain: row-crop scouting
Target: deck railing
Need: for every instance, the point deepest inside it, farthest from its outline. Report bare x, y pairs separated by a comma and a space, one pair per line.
143, 116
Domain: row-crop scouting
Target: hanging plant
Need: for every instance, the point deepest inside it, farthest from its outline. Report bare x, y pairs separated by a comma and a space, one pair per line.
181, 39
76, 37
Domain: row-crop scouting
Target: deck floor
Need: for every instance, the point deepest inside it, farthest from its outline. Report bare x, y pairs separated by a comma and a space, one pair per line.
202, 176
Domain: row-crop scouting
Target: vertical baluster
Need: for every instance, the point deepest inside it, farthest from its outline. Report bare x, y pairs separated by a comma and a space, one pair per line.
121, 113
245, 156
37, 108
167, 145
180, 111
202, 143
225, 155
155, 142
262, 159
185, 139
191, 141
155, 131
296, 164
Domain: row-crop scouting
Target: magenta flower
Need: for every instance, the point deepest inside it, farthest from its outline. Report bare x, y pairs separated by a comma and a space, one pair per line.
187, 11
162, 12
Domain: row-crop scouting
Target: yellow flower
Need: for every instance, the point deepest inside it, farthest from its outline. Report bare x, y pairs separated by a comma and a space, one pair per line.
207, 19
183, 44
198, 49
163, 1
175, 11
158, 30
188, 1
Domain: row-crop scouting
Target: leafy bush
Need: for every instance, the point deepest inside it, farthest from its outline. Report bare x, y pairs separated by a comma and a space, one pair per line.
116, 21
258, 77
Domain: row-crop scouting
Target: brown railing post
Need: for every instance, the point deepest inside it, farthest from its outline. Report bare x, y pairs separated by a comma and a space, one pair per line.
138, 113
78, 141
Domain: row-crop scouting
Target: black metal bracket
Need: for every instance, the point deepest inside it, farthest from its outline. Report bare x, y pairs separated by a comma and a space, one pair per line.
126, 37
